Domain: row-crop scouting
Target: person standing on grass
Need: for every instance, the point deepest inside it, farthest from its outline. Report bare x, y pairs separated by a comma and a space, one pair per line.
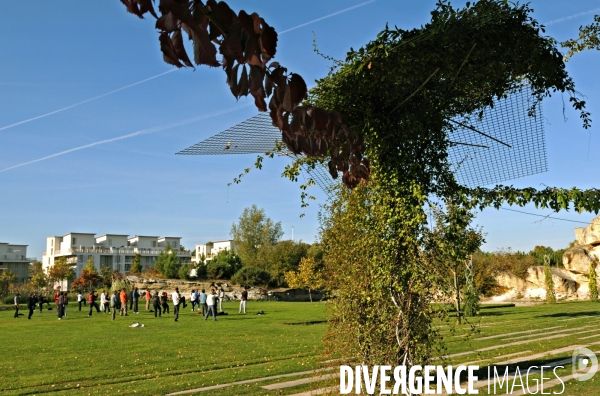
104, 302
16, 301
135, 296
148, 297
123, 298
193, 298
41, 301
202, 302
211, 301
156, 304
114, 303
80, 299
92, 302
221, 298
31, 304
65, 303
175, 296
164, 302
60, 303
56, 296
243, 300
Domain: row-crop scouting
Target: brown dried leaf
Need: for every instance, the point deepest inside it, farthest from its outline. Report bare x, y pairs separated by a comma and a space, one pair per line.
205, 52
268, 43
146, 6
133, 8
167, 23
295, 92
177, 39
257, 75
232, 80
253, 51
169, 53
243, 85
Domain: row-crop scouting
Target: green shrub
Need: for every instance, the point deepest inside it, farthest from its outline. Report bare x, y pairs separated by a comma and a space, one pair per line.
216, 270
252, 276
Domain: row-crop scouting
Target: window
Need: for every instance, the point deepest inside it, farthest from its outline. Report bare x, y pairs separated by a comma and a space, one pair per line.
10, 250
74, 241
110, 242
51, 242
80, 259
127, 267
153, 243
51, 251
147, 260
128, 243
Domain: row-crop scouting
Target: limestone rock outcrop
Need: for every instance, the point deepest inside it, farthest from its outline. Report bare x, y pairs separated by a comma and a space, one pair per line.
570, 282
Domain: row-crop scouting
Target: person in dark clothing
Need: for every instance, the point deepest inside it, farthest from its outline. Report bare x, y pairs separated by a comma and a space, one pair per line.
156, 304
17, 300
60, 304
31, 304
165, 303
131, 300
135, 295
92, 302
41, 301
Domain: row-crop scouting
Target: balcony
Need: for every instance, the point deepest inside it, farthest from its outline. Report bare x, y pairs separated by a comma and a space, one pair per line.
124, 250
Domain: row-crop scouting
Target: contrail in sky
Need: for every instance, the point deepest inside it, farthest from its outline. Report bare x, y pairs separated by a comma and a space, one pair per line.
328, 16
141, 132
158, 128
85, 101
167, 72
570, 17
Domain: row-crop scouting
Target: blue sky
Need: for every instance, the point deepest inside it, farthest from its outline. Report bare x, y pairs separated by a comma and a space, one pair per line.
61, 53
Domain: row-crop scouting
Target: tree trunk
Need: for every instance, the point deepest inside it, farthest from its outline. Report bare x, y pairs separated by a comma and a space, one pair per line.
457, 297
309, 295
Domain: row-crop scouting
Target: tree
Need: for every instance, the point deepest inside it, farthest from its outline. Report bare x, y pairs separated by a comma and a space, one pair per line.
283, 257
452, 242
61, 271
107, 274
253, 276
184, 271
38, 276
168, 263
309, 276
200, 267
403, 92
255, 233
88, 278
136, 266
589, 38
6, 280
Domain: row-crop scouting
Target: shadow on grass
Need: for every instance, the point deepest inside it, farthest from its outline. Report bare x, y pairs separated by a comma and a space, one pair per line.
570, 314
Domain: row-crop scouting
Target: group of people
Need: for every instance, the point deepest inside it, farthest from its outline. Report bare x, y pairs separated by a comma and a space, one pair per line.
204, 303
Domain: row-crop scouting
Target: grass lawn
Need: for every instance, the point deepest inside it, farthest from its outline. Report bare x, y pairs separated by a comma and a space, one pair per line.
94, 355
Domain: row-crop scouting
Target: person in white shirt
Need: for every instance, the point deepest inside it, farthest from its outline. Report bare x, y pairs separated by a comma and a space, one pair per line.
175, 298
193, 298
212, 304
221, 297
80, 300
104, 306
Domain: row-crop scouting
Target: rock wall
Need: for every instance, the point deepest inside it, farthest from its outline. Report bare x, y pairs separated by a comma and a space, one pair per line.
232, 291
570, 282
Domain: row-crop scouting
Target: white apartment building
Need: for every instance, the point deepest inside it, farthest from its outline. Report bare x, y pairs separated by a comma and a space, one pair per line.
114, 250
14, 258
211, 249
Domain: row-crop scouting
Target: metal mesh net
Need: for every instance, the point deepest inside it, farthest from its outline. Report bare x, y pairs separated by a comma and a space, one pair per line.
506, 143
